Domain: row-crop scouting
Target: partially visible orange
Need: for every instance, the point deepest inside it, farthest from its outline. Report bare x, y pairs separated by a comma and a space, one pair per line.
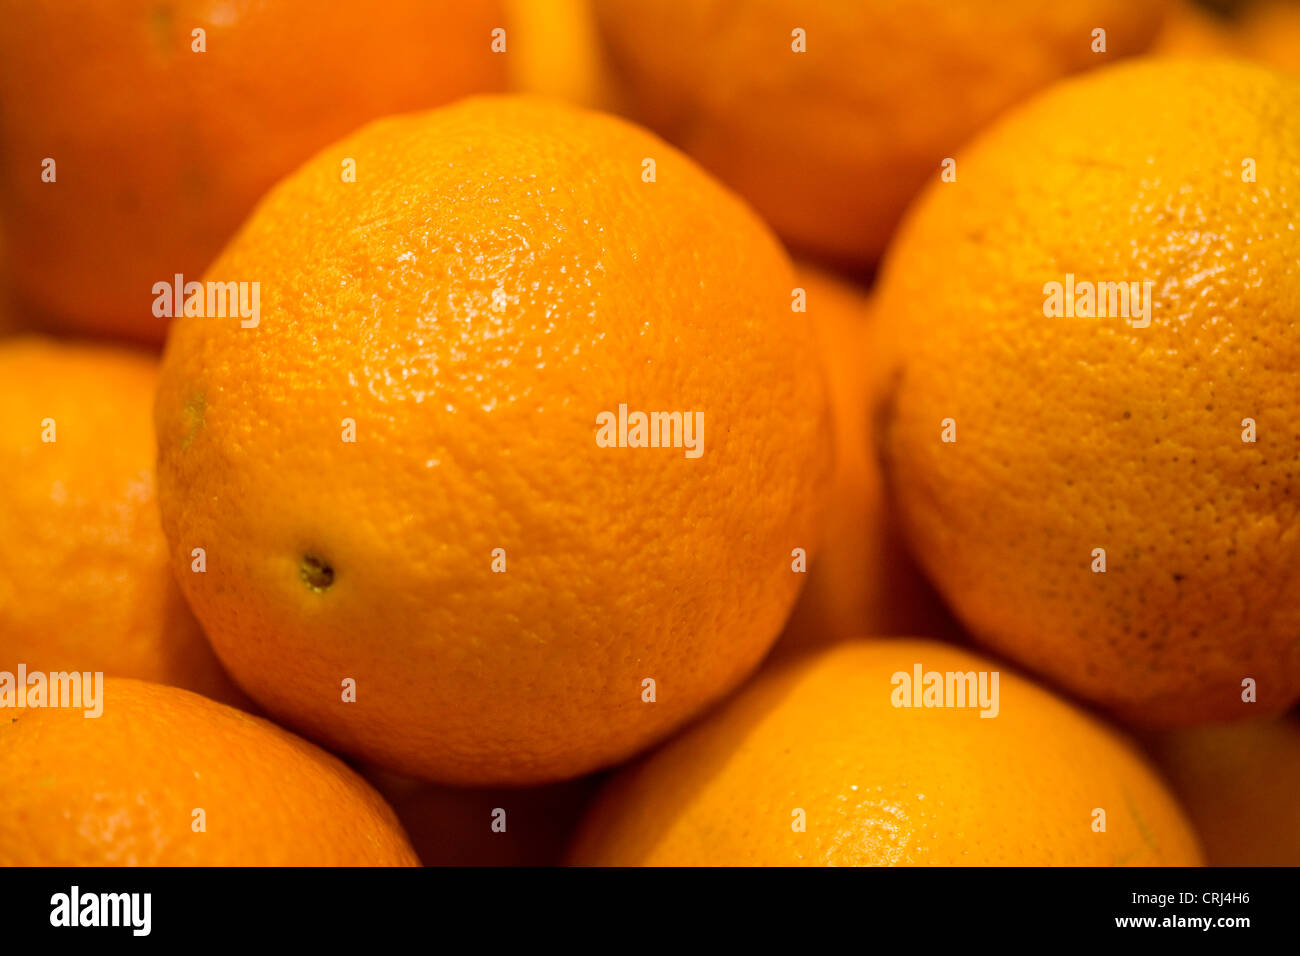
554, 51
830, 144
863, 581
164, 777
455, 826
499, 584
1239, 783
160, 151
1263, 30
1113, 500
814, 765
85, 582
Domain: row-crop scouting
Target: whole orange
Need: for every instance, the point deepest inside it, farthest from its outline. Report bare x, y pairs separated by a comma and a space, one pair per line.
814, 764
85, 582
830, 116
863, 581
422, 472
163, 777
1113, 499
160, 149
1239, 783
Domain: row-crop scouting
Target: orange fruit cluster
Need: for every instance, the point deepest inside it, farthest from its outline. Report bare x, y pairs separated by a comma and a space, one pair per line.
698, 393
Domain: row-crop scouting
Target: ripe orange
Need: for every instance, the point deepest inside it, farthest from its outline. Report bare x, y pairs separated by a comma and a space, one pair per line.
11, 320
831, 143
161, 151
85, 583
1263, 30
1101, 516
820, 744
500, 586
168, 778
1239, 783
863, 581
554, 51
454, 826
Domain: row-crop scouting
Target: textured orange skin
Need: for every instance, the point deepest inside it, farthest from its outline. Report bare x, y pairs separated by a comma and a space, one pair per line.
882, 785
830, 144
1239, 783
85, 582
121, 789
476, 431
1265, 30
162, 152
1083, 433
453, 826
863, 582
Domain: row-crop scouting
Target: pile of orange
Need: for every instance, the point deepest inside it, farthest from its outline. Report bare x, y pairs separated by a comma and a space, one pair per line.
498, 441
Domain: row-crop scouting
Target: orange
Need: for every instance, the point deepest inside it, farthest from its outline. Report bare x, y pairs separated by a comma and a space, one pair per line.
455, 826
1191, 29
1102, 516
1239, 783
164, 777
497, 288
813, 764
1263, 30
161, 151
11, 320
829, 144
85, 583
554, 51
863, 581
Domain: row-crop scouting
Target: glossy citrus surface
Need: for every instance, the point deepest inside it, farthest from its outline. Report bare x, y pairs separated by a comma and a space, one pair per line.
124, 789
498, 585
85, 583
1077, 433
821, 745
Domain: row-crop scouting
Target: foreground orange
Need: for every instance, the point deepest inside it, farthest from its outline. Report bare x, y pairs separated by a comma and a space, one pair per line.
831, 143
813, 764
1239, 783
1118, 507
85, 582
167, 778
418, 477
161, 150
